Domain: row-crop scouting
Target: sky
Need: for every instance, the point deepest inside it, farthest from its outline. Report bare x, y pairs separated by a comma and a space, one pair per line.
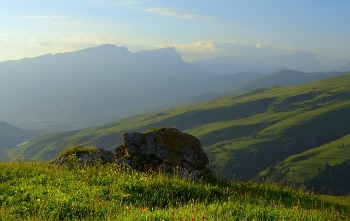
198, 29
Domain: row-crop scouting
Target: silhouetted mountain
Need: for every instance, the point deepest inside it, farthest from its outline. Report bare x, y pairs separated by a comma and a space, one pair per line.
67, 90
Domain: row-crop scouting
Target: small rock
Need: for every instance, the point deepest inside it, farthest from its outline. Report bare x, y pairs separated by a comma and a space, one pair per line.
100, 156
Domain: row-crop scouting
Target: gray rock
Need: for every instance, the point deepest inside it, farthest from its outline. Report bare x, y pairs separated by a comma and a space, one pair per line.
167, 148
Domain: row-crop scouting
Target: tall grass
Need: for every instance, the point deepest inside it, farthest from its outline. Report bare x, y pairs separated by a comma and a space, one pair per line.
42, 191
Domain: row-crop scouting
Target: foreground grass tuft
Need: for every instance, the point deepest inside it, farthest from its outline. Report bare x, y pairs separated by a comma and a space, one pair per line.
42, 191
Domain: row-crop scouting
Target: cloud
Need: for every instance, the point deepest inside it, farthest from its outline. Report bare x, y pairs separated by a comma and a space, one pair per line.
260, 45
164, 11
199, 46
177, 13
267, 46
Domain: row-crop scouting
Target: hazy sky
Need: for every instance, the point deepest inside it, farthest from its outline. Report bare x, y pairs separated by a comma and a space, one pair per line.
196, 28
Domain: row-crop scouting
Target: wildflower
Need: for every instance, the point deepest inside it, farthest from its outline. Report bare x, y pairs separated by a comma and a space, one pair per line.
143, 208
193, 219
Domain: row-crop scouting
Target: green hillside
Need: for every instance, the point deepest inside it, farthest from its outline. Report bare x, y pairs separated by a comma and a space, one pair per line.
244, 134
323, 166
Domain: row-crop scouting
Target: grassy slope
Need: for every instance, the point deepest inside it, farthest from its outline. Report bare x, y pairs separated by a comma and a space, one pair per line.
312, 165
307, 164
243, 134
42, 191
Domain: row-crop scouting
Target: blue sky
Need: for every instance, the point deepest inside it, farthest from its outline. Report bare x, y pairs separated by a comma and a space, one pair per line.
198, 29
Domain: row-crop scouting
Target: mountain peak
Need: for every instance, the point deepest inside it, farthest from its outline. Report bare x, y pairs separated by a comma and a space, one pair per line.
107, 49
160, 54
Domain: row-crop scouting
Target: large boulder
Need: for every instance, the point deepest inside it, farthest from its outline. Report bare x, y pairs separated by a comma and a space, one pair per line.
167, 148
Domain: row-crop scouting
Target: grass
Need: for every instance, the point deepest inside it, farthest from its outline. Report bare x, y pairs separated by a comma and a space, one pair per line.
42, 191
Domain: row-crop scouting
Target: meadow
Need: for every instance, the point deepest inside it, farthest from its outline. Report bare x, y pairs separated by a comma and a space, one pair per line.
44, 191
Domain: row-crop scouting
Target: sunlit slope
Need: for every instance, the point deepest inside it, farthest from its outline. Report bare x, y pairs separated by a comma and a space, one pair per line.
243, 134
324, 166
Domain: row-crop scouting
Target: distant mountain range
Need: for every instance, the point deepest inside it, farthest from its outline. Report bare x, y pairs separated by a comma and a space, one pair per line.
300, 61
73, 90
